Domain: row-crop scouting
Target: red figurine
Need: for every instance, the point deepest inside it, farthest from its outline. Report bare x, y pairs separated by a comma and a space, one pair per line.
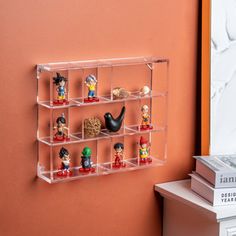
145, 118
61, 135
60, 82
119, 153
64, 169
144, 151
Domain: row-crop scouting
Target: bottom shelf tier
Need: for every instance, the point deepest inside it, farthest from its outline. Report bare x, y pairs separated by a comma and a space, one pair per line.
98, 169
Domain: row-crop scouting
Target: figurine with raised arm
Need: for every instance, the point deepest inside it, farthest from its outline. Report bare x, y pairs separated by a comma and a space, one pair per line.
64, 169
144, 150
145, 125
61, 129
60, 82
91, 83
86, 162
119, 154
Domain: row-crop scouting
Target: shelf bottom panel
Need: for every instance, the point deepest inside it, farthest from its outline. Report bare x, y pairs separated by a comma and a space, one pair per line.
99, 169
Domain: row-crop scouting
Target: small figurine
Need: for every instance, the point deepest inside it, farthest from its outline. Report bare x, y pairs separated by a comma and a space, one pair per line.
119, 153
64, 170
145, 118
114, 124
60, 82
91, 82
60, 135
86, 161
145, 90
144, 151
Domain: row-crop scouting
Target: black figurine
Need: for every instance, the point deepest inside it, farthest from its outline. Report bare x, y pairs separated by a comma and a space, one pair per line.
114, 124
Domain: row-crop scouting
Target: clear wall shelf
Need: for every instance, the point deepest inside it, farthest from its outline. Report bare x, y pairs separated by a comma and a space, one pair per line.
143, 82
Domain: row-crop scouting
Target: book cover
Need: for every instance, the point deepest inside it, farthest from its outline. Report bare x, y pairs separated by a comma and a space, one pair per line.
217, 197
219, 170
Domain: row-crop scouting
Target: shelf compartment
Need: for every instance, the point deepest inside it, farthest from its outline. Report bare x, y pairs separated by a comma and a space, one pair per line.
48, 104
79, 136
155, 162
105, 134
102, 100
50, 142
138, 130
122, 132
52, 177
108, 167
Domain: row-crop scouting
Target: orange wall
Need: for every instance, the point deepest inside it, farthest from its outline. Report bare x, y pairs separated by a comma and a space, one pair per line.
34, 31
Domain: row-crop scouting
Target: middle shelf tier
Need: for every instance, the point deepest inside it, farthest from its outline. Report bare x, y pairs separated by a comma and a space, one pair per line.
104, 134
73, 102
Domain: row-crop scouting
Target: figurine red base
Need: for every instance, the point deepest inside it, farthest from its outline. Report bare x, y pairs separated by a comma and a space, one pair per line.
60, 139
118, 165
86, 170
145, 160
64, 173
145, 127
94, 99
60, 102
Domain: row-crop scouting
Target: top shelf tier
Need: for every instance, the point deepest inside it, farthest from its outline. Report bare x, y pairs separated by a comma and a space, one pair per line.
73, 65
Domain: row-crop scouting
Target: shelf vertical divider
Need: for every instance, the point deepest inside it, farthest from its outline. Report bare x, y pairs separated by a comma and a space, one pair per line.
111, 83
51, 88
83, 85
68, 108
51, 163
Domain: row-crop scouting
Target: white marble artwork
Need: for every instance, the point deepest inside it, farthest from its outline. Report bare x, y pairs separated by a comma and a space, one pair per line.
223, 77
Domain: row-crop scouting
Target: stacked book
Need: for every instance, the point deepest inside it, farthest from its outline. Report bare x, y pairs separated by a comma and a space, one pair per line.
215, 179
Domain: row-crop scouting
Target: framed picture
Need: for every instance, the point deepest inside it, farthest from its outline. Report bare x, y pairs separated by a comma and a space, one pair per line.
218, 128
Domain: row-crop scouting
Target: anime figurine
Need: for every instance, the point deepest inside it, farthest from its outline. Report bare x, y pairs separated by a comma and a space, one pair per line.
86, 161
119, 153
144, 149
145, 125
60, 82
91, 82
114, 124
64, 170
61, 135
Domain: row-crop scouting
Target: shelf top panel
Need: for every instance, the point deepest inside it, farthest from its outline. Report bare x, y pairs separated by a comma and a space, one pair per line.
72, 65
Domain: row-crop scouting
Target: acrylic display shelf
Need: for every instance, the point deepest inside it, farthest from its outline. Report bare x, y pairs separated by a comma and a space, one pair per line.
130, 73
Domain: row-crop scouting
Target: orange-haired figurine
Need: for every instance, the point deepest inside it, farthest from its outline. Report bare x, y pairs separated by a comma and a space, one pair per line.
144, 151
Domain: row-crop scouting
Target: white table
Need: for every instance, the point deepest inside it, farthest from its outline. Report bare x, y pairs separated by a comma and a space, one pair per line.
187, 214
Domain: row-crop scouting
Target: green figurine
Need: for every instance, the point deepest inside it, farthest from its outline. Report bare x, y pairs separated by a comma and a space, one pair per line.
86, 161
